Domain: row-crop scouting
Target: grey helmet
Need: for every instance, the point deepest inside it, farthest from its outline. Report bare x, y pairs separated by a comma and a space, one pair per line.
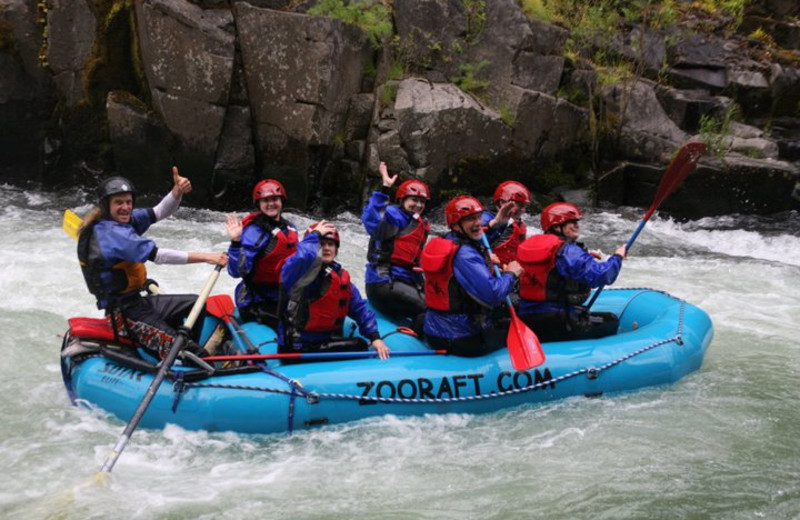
114, 186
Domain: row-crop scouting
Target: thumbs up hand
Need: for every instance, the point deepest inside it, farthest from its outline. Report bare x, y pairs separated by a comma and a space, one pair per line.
182, 185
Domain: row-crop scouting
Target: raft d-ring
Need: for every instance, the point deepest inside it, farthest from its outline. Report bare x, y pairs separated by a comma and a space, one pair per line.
592, 373
312, 398
679, 341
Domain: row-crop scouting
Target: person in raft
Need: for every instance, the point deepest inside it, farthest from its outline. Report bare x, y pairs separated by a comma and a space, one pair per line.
397, 235
559, 275
505, 228
260, 244
460, 290
318, 296
112, 254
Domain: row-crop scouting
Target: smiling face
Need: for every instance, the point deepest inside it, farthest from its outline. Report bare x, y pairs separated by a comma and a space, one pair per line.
271, 206
329, 249
120, 207
471, 226
571, 229
414, 204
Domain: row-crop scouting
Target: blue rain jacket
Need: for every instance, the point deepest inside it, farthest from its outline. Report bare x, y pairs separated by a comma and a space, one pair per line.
473, 275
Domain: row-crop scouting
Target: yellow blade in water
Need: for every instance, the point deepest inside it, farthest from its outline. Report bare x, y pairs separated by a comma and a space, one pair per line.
71, 224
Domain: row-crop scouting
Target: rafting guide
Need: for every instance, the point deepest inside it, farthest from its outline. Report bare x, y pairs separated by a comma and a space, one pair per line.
112, 254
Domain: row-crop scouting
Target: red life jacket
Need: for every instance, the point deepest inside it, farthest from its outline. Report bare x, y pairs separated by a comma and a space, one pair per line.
273, 251
442, 290
409, 243
326, 311
540, 280
505, 246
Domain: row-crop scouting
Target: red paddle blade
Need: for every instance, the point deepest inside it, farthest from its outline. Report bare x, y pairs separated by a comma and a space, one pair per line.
523, 345
679, 168
220, 306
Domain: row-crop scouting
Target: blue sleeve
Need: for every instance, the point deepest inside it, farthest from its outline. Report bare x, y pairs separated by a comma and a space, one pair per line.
242, 259
142, 219
234, 255
491, 234
473, 275
372, 215
122, 242
576, 264
363, 316
297, 265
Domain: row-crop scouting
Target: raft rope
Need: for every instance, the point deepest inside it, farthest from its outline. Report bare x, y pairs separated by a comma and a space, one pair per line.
314, 397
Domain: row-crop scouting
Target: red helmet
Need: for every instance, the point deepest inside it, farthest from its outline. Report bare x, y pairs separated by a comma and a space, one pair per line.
330, 236
558, 213
268, 188
512, 190
461, 207
413, 188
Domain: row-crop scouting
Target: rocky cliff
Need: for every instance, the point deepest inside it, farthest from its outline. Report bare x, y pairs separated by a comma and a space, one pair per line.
459, 93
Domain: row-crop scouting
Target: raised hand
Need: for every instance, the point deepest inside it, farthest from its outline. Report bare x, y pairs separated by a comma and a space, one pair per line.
234, 227
388, 181
325, 228
181, 185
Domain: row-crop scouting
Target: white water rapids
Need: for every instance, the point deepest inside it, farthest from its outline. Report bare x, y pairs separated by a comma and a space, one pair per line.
723, 443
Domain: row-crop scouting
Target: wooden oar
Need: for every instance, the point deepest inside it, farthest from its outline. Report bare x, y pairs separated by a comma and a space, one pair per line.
523, 345
672, 178
166, 364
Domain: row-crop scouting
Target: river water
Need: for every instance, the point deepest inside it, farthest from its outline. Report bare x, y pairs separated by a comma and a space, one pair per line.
723, 443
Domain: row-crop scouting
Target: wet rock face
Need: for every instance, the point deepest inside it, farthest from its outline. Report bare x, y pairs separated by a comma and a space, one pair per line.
233, 92
188, 57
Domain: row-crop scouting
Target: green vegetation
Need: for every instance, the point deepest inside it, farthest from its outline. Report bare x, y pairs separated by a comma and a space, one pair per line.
764, 37
388, 94
397, 70
476, 19
507, 115
372, 16
715, 130
468, 80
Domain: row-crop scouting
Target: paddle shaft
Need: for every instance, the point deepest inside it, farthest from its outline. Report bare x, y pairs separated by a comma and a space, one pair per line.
523, 345
672, 178
496, 269
322, 355
166, 364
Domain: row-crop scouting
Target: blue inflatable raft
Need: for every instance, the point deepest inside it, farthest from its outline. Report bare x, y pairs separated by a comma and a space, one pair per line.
660, 340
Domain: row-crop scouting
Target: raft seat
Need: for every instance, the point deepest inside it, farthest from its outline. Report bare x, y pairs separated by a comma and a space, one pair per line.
96, 329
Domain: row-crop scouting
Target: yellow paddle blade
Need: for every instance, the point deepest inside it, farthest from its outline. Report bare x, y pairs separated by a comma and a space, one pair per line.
71, 223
